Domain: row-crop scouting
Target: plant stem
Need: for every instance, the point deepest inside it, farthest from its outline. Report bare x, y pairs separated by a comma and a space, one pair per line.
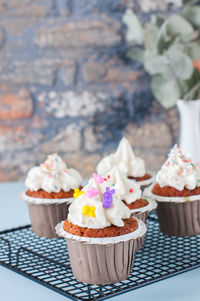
193, 90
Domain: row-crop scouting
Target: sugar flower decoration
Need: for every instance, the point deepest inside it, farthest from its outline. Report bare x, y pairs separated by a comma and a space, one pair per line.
108, 197
91, 192
89, 210
98, 178
77, 193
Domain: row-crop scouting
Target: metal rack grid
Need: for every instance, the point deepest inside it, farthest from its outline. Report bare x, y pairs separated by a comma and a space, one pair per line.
46, 261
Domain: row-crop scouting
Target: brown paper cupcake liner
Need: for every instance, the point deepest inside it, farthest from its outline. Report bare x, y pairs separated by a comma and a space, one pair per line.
44, 218
140, 240
102, 260
179, 219
142, 214
101, 264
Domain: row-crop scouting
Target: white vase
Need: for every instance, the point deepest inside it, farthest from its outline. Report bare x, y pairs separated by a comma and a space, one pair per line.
190, 128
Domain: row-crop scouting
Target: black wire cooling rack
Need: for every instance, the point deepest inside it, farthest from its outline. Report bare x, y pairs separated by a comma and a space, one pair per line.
46, 261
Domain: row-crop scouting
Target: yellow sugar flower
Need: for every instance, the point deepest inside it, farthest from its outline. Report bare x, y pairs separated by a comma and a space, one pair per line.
77, 193
89, 210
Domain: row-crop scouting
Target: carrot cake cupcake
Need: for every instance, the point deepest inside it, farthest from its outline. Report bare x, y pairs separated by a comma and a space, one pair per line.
50, 190
130, 193
101, 234
177, 190
131, 166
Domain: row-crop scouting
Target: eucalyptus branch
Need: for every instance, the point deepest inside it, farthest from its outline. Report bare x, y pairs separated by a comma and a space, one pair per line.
192, 91
174, 73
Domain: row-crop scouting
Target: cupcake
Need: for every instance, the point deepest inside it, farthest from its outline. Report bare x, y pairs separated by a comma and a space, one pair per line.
130, 193
177, 190
101, 234
50, 190
131, 166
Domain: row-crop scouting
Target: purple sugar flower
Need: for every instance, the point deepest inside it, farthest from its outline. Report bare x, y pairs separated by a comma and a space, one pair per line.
108, 197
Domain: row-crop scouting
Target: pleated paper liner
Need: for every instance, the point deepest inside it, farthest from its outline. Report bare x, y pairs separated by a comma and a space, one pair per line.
179, 219
44, 218
45, 214
142, 214
178, 216
102, 260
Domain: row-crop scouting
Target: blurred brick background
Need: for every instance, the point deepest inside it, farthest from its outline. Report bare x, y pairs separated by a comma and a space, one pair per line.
67, 87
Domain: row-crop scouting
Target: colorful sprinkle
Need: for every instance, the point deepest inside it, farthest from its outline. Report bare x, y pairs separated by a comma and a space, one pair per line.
89, 210
131, 190
77, 193
91, 192
108, 177
98, 178
108, 197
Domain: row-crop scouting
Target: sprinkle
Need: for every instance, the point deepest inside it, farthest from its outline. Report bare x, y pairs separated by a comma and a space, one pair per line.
91, 192
131, 190
105, 179
77, 193
87, 210
98, 178
108, 176
107, 197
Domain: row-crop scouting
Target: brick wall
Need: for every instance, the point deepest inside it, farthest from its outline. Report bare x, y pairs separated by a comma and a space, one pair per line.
67, 87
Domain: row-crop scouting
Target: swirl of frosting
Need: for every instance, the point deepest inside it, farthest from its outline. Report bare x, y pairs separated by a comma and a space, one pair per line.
125, 159
88, 209
53, 176
128, 190
178, 171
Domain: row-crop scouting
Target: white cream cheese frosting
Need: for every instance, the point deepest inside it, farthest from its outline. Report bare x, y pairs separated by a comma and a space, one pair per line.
94, 210
53, 176
128, 190
125, 160
179, 171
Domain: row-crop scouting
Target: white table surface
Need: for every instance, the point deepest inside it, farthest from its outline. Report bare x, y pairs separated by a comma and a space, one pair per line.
14, 287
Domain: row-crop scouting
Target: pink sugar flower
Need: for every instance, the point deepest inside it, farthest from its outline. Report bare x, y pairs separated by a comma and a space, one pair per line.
91, 192
98, 178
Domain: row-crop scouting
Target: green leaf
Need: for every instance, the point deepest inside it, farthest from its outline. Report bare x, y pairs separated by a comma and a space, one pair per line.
155, 64
136, 54
150, 36
163, 38
178, 26
180, 62
192, 14
157, 20
193, 50
194, 81
166, 91
135, 30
